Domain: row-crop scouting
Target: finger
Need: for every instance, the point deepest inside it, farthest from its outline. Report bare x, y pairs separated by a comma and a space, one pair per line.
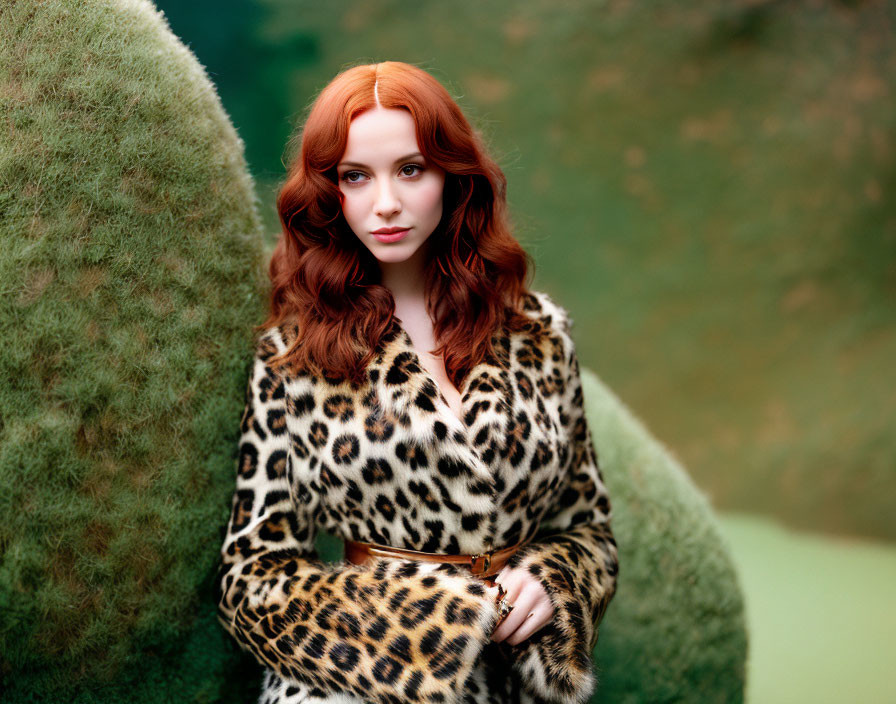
514, 581
505, 572
535, 620
521, 608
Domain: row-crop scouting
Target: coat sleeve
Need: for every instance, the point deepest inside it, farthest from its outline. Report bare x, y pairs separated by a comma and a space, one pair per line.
573, 554
391, 631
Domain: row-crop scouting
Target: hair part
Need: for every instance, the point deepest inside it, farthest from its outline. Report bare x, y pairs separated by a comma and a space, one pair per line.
328, 284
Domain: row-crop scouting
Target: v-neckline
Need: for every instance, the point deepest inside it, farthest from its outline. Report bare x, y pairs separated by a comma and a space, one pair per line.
407, 390
412, 349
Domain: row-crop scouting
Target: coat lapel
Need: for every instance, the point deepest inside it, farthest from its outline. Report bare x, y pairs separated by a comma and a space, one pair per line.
404, 389
504, 437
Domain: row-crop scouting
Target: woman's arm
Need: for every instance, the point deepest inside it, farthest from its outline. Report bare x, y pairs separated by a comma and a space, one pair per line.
573, 555
396, 631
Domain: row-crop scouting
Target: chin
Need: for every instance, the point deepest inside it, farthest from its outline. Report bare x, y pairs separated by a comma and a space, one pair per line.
393, 257
392, 254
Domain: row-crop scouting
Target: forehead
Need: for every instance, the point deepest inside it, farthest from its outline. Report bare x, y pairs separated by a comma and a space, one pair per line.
380, 136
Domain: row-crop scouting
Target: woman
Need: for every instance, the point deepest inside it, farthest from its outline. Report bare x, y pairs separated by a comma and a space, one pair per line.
409, 395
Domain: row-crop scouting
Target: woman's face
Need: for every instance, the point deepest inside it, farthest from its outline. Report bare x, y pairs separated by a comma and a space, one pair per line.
388, 184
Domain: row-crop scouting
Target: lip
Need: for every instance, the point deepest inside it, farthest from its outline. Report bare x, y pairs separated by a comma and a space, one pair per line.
390, 234
389, 230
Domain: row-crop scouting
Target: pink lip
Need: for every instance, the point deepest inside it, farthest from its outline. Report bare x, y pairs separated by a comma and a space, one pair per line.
390, 234
389, 230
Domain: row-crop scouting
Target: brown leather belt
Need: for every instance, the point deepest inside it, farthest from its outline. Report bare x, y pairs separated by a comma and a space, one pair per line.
483, 565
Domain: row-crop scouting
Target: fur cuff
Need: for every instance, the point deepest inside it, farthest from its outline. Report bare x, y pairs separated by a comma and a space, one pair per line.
555, 662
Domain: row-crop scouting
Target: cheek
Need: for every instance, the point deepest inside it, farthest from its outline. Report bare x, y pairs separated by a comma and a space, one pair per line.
431, 196
352, 207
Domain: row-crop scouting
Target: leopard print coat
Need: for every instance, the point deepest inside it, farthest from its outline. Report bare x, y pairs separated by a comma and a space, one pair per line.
391, 463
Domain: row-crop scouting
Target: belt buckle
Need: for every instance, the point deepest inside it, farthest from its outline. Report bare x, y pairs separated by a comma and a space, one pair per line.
486, 558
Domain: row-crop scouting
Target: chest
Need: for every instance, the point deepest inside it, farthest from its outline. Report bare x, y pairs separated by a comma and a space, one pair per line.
417, 323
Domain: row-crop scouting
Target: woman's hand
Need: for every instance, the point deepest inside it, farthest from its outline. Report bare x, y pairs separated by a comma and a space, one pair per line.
532, 606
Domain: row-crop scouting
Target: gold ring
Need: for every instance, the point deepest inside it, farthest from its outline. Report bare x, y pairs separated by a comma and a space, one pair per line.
504, 608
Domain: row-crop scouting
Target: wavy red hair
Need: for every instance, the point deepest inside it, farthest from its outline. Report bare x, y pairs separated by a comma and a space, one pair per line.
328, 284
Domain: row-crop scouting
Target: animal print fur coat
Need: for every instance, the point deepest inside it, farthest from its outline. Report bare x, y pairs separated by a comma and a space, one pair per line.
391, 463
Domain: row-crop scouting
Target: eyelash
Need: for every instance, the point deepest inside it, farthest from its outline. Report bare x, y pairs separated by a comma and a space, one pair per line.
345, 176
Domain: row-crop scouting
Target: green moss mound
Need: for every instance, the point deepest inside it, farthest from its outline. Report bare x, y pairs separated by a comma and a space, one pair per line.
675, 631
131, 275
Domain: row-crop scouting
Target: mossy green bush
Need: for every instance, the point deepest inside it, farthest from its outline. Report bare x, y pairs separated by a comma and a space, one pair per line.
132, 275
131, 271
675, 631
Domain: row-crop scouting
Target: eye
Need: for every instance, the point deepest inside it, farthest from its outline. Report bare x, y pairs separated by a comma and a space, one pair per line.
348, 176
419, 168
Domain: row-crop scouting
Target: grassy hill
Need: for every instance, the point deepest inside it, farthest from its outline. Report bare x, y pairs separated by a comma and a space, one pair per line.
819, 614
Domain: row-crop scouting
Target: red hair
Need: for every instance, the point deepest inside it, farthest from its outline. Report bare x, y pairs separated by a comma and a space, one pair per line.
327, 284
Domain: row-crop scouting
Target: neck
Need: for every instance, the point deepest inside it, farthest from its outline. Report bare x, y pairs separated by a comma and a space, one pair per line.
405, 279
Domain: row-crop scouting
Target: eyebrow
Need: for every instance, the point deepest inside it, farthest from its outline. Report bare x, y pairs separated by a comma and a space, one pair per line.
364, 166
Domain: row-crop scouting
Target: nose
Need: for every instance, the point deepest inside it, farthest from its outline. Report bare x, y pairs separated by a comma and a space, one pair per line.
387, 202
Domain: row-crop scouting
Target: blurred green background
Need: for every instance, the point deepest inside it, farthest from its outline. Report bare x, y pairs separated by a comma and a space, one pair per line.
708, 188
